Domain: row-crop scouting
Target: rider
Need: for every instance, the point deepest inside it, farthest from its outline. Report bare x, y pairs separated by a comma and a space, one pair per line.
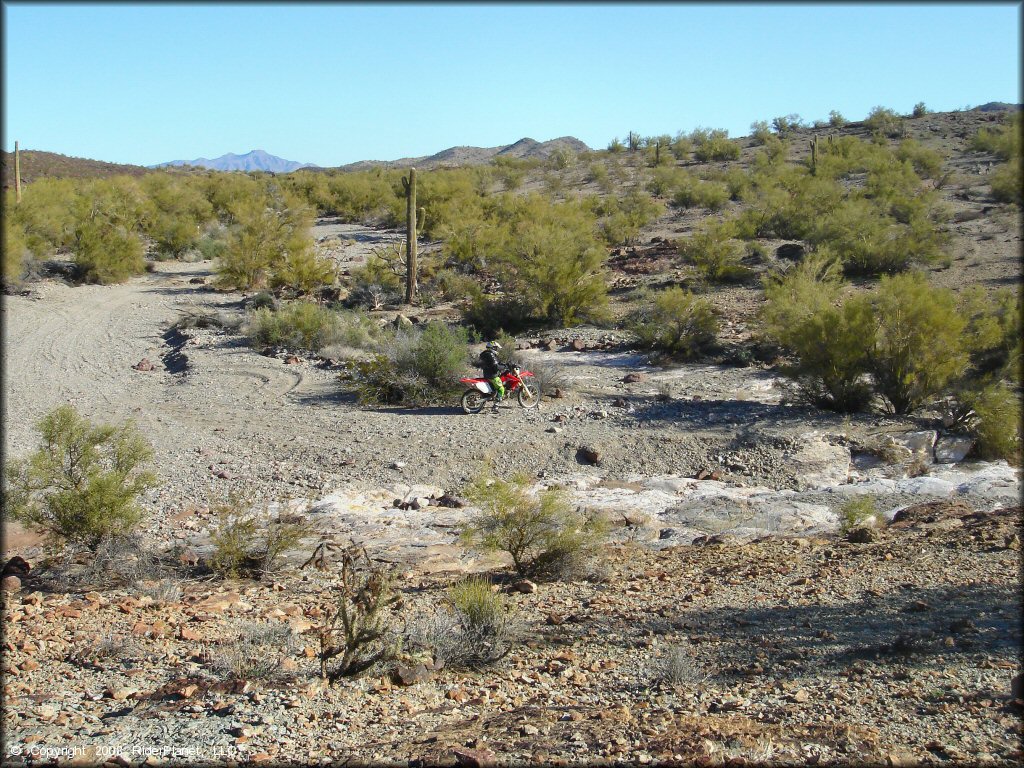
492, 369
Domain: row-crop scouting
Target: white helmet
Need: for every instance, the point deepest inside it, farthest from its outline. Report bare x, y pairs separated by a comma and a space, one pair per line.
493, 345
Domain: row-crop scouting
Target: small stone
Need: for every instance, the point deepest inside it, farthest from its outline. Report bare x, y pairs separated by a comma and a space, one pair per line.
588, 455
10, 583
474, 758
525, 587
529, 730
144, 365
632, 378
862, 535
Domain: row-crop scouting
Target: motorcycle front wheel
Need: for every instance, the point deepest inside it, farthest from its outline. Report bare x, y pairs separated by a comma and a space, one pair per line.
473, 401
529, 398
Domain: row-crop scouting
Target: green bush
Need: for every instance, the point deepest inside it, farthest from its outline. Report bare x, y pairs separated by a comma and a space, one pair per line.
83, 482
714, 144
836, 119
249, 540
830, 339
417, 366
16, 254
857, 512
296, 325
993, 329
478, 629
716, 254
1004, 141
176, 212
918, 344
1007, 182
885, 122
489, 316
786, 124
542, 533
760, 132
997, 423
920, 110
676, 322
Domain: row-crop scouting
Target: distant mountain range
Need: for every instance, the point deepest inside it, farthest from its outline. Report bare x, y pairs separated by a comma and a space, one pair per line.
457, 156
257, 160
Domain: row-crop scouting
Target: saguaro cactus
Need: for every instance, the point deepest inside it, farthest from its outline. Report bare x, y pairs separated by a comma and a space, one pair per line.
814, 154
409, 182
17, 173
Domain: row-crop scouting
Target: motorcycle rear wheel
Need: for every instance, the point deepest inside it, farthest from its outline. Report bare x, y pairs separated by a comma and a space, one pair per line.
473, 401
528, 398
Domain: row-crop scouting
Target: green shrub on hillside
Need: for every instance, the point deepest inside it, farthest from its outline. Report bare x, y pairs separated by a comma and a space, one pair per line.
714, 144
885, 122
829, 338
918, 345
993, 329
82, 483
676, 321
106, 253
715, 253
1007, 183
836, 119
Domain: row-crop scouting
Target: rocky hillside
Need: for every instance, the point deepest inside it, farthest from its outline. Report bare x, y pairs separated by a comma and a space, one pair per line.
38, 165
458, 156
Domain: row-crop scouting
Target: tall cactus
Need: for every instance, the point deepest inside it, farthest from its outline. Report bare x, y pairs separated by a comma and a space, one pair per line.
409, 182
814, 155
17, 173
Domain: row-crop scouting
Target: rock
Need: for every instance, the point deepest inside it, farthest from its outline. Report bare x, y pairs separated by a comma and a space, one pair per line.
554, 619
578, 345
10, 583
474, 758
1017, 686
558, 393
952, 449
620, 402
790, 251
588, 455
397, 465
921, 444
411, 674
819, 464
863, 535
144, 365
401, 322
528, 730
525, 587
632, 378
706, 474
452, 502
197, 281
17, 566
292, 360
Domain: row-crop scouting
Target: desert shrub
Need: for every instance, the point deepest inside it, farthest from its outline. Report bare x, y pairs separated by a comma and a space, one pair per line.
1007, 182
356, 634
681, 147
542, 533
786, 124
615, 146
716, 254
175, 213
269, 243
927, 162
918, 346
622, 218
997, 422
106, 253
676, 322
448, 285
830, 340
920, 110
81, 485
163, 591
16, 254
296, 325
256, 652
885, 122
1004, 141
760, 132
678, 667
688, 191
47, 213
714, 144
376, 283
993, 329
491, 315
555, 262
249, 539
416, 366
836, 119
477, 629
857, 512
550, 378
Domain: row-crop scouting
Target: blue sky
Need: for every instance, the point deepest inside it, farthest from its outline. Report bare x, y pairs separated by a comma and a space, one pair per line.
336, 83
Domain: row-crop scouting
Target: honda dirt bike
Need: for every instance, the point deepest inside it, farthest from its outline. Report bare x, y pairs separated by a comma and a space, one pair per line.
514, 380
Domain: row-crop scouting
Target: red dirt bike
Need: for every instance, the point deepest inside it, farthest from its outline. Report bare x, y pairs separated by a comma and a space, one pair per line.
514, 380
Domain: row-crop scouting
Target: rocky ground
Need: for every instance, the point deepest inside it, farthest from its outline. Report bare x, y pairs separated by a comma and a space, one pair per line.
727, 622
